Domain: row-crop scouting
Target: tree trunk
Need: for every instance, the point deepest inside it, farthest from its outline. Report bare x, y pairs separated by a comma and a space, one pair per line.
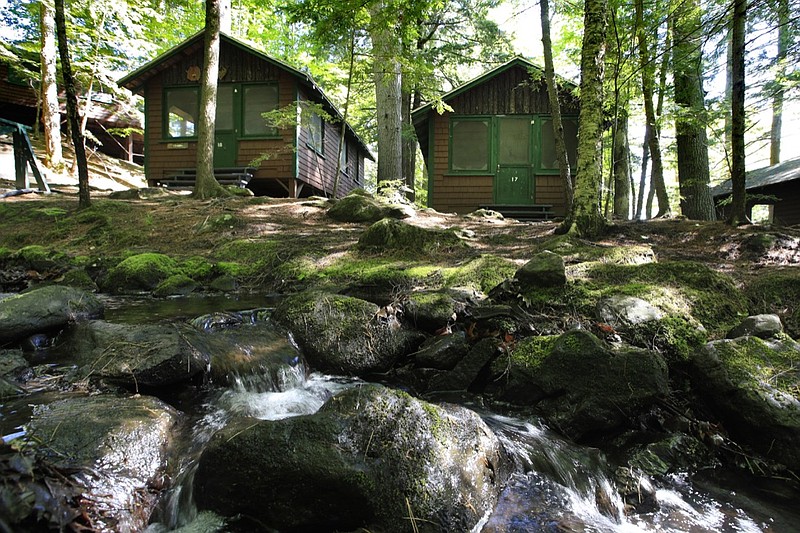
780, 76
648, 81
51, 116
72, 107
588, 221
409, 143
555, 112
387, 78
690, 122
206, 184
738, 206
343, 129
643, 177
622, 167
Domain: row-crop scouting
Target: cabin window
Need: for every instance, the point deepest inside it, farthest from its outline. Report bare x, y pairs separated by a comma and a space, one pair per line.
182, 112
548, 159
316, 132
259, 99
470, 144
343, 160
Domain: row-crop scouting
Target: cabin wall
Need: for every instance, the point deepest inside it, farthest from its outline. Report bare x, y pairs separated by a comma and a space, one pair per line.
787, 210
509, 93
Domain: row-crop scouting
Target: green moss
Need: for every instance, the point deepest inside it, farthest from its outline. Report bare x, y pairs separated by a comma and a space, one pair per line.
390, 235
750, 359
530, 352
198, 268
40, 258
674, 337
78, 277
221, 222
378, 271
778, 293
575, 250
178, 284
140, 272
5, 253
483, 273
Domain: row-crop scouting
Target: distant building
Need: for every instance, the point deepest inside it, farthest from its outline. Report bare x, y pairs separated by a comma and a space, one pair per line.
777, 186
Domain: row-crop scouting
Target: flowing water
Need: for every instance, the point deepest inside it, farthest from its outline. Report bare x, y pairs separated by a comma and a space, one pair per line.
557, 485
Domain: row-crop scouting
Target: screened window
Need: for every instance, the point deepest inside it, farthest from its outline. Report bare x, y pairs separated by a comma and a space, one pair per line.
258, 99
182, 112
224, 120
470, 144
343, 159
548, 159
316, 132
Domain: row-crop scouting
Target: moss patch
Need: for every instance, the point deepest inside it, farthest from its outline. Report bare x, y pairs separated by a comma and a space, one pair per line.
483, 273
530, 352
393, 235
753, 360
141, 272
777, 293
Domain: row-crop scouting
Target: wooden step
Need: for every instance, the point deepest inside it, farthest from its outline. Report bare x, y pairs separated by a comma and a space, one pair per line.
523, 212
185, 178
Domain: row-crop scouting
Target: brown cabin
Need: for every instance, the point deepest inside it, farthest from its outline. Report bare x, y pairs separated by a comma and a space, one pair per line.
776, 186
495, 148
293, 161
19, 101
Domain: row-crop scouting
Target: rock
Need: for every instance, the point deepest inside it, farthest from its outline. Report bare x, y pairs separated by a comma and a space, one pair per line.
442, 352
486, 214
579, 384
176, 285
44, 310
341, 334
12, 363
78, 277
117, 446
393, 235
545, 269
400, 211
468, 368
224, 283
370, 457
138, 273
135, 355
357, 208
751, 385
763, 326
40, 259
9, 389
430, 310
621, 311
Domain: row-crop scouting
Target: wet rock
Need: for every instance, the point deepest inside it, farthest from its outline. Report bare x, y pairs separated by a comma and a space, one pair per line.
430, 310
579, 384
763, 326
393, 235
442, 352
621, 311
545, 269
751, 384
224, 283
341, 334
44, 310
135, 355
467, 369
117, 446
371, 457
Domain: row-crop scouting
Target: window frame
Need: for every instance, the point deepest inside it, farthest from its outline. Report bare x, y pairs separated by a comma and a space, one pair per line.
165, 112
276, 132
491, 156
540, 120
312, 116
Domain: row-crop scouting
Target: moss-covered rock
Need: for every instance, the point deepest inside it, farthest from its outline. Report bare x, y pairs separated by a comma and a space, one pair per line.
753, 385
762, 326
357, 208
545, 269
78, 277
40, 258
139, 273
482, 273
175, 285
390, 235
342, 334
442, 352
44, 310
371, 457
430, 311
777, 293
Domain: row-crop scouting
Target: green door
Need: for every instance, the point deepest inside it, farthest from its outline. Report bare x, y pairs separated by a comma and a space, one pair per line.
513, 180
226, 146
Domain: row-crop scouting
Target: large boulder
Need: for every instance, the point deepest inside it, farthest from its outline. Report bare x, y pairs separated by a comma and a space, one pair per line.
751, 384
763, 326
545, 269
578, 383
117, 447
442, 352
371, 457
341, 334
431, 310
139, 273
357, 208
45, 310
135, 355
621, 311
390, 235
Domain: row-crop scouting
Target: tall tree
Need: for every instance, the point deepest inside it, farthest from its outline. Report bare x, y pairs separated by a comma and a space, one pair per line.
690, 121
555, 107
648, 82
51, 116
587, 219
738, 206
84, 199
206, 185
780, 75
621, 166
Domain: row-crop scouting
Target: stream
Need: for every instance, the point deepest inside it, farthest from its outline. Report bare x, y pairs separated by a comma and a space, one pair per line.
556, 485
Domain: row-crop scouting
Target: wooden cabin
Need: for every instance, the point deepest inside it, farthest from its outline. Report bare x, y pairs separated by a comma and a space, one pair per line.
295, 161
776, 186
19, 101
495, 149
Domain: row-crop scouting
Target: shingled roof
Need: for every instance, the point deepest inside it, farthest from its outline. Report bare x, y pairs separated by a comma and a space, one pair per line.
763, 177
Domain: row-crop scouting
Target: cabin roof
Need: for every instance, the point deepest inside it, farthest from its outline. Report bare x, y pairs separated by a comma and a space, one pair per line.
136, 80
517, 61
782, 172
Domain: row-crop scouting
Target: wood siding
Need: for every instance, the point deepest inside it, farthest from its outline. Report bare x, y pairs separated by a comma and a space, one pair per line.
786, 211
13, 94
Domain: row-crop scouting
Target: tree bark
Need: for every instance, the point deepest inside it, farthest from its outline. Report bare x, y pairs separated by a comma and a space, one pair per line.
648, 82
780, 76
690, 122
51, 115
555, 111
387, 77
84, 199
738, 205
587, 218
409, 141
206, 184
622, 167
